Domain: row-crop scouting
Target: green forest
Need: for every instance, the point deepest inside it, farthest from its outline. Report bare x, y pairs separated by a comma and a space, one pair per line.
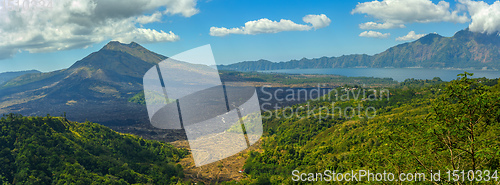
53, 150
424, 127
421, 126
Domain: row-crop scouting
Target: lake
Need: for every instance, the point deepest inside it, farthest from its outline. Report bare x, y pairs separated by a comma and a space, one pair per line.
398, 74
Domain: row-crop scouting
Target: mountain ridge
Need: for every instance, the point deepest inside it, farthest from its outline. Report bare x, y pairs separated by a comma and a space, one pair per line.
95, 88
6, 76
465, 49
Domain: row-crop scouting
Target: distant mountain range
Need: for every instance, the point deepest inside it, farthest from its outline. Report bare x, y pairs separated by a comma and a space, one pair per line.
10, 75
465, 49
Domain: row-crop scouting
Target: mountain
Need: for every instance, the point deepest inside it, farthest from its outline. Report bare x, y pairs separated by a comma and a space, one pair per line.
53, 150
465, 49
95, 88
10, 75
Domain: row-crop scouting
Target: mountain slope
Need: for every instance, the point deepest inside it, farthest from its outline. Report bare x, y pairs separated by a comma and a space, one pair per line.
130, 60
10, 75
409, 133
465, 49
95, 88
52, 150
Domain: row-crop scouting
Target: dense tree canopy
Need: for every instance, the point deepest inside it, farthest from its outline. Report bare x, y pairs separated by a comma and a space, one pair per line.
422, 128
52, 150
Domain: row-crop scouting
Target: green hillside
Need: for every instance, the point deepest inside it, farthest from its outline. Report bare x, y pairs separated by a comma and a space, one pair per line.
446, 126
52, 150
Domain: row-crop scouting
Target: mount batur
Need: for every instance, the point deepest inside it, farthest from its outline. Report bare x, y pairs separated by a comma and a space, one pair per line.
98, 87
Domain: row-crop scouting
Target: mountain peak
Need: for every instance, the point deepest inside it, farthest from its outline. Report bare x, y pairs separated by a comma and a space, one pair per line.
430, 38
468, 33
118, 46
481, 38
133, 49
126, 59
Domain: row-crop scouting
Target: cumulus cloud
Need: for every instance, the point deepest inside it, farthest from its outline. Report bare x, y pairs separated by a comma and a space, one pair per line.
185, 7
72, 24
145, 19
268, 26
374, 25
146, 35
374, 34
410, 36
317, 21
398, 12
485, 17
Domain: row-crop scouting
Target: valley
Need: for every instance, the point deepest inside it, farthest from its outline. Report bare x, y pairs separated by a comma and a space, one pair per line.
202, 92
104, 90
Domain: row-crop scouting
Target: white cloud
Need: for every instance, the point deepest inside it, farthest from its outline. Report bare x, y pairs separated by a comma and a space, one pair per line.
72, 24
219, 32
317, 21
485, 17
410, 36
397, 12
142, 35
145, 19
374, 25
268, 26
184, 7
374, 34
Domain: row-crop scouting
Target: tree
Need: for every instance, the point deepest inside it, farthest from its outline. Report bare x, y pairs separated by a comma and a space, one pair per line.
461, 132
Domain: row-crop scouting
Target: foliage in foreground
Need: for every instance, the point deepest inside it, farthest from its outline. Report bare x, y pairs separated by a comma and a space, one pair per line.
452, 126
52, 150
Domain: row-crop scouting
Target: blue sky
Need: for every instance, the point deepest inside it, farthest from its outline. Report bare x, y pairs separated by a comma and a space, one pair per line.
181, 25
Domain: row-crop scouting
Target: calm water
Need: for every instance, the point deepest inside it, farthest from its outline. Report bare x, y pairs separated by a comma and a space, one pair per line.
399, 74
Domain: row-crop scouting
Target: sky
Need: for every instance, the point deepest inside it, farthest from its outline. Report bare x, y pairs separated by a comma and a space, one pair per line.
49, 35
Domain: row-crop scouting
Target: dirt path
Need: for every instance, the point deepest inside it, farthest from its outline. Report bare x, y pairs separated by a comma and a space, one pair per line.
224, 170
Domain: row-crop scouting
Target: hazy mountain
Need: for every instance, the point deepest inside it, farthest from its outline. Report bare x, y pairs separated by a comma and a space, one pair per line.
465, 49
10, 75
95, 88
